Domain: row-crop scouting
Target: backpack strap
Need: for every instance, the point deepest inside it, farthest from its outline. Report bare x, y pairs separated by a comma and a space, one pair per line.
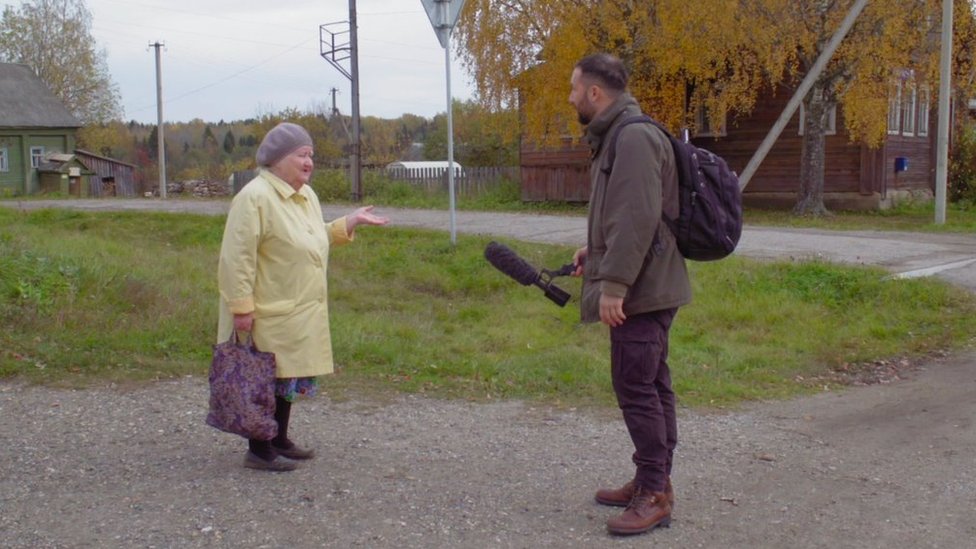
612, 144
612, 157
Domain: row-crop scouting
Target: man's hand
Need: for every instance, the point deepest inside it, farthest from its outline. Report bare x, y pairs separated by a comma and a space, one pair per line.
612, 310
578, 259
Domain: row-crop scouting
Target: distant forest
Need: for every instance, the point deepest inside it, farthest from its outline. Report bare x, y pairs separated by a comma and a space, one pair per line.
213, 150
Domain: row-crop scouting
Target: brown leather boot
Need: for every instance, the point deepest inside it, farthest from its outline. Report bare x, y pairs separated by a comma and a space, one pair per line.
618, 498
621, 496
646, 511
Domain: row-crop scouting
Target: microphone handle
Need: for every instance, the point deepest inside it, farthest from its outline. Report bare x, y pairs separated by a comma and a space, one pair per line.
556, 294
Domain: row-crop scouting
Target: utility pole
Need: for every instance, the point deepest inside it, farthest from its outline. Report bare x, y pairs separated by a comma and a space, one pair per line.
357, 161
336, 53
335, 110
945, 93
161, 142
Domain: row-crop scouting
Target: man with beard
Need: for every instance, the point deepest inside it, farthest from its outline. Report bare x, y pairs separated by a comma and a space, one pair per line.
634, 280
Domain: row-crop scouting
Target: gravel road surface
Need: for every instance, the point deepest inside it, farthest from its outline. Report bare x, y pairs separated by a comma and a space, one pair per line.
880, 466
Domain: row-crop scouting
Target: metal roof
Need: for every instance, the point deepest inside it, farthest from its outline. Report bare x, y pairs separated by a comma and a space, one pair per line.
26, 102
442, 164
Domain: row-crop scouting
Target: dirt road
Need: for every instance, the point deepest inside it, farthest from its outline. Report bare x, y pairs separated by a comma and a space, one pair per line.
881, 466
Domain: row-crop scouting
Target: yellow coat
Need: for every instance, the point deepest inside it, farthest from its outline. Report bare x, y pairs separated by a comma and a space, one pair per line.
273, 262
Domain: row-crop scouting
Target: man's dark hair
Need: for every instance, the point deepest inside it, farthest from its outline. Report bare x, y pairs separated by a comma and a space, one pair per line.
608, 71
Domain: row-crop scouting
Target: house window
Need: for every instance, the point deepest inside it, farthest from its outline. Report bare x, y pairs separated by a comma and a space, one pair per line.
894, 110
830, 128
908, 111
36, 153
4, 163
704, 125
923, 112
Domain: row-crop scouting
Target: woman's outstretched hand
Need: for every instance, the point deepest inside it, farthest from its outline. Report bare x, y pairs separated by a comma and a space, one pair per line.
364, 216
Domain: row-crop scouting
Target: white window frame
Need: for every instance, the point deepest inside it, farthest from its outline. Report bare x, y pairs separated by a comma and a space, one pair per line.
831, 128
702, 126
894, 111
4, 162
908, 112
923, 112
36, 155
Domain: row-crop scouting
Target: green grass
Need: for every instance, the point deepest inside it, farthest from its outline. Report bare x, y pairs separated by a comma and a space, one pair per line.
127, 297
919, 216
333, 186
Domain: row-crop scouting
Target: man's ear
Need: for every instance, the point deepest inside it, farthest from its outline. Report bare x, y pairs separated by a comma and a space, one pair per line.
594, 92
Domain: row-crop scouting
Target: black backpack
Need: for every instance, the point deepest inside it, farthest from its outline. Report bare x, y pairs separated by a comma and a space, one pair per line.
710, 202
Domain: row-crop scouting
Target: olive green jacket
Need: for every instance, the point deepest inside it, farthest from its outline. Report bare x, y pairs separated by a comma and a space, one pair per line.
625, 258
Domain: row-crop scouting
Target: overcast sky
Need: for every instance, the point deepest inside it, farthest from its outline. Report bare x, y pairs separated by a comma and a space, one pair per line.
236, 59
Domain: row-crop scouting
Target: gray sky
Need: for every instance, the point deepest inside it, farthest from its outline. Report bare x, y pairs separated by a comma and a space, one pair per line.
236, 59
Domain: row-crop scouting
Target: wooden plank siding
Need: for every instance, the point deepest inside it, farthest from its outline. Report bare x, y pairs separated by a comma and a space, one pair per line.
780, 170
920, 174
112, 177
855, 176
556, 175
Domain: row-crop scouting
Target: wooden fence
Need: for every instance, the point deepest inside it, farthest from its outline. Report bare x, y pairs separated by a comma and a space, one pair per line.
467, 181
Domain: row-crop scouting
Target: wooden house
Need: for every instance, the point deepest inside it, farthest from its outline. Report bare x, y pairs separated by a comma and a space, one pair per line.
63, 173
856, 176
33, 124
109, 177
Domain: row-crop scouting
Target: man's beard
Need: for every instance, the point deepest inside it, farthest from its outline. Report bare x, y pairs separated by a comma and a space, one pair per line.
584, 113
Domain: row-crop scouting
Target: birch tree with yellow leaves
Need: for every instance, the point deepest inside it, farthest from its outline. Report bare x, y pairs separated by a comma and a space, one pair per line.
718, 55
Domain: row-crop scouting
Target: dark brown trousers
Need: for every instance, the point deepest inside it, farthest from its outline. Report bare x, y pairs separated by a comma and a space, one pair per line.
642, 382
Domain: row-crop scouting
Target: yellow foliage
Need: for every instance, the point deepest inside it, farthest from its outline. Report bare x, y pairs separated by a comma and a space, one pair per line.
718, 54
111, 139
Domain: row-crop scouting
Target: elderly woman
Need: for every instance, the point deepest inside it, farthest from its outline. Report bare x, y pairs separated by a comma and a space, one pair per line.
272, 278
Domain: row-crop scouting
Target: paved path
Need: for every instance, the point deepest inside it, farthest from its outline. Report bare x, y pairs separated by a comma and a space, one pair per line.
949, 256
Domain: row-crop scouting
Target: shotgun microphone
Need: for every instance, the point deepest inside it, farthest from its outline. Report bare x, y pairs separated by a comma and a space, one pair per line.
507, 261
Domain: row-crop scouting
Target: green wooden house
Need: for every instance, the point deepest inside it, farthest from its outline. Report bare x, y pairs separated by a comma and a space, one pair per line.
34, 124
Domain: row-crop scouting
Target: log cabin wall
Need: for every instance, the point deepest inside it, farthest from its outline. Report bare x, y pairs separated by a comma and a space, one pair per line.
855, 177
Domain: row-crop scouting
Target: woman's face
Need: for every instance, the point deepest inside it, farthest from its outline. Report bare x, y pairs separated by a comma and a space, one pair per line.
295, 168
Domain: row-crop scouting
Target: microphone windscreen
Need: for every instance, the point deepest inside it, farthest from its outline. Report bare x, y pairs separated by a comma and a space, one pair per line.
508, 262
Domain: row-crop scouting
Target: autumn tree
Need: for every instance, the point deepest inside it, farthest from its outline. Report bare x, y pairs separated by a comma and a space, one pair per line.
891, 41
326, 148
522, 52
413, 129
209, 140
111, 139
717, 58
54, 38
481, 137
152, 144
379, 144
229, 142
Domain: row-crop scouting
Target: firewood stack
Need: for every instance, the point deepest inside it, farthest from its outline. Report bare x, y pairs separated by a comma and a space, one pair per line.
199, 188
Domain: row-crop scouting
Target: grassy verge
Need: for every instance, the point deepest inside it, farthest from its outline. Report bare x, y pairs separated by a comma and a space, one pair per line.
96, 297
904, 217
333, 186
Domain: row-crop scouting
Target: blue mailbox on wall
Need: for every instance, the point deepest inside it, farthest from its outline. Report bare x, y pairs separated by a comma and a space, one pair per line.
901, 164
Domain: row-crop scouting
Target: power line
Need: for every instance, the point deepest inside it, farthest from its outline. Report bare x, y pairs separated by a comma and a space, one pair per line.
262, 23
229, 77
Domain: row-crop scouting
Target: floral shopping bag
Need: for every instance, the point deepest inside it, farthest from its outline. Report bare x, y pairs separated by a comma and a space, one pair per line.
242, 382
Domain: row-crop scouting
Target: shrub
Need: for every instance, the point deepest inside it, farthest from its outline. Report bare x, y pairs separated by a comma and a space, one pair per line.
962, 166
330, 185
